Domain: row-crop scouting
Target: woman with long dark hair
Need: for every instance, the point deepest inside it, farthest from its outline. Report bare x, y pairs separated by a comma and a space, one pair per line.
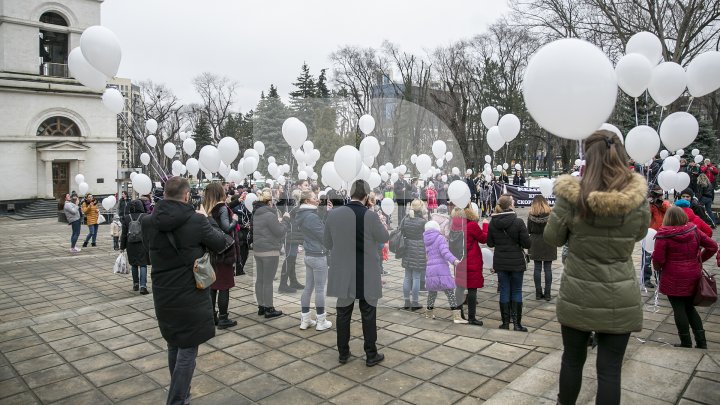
540, 251
600, 216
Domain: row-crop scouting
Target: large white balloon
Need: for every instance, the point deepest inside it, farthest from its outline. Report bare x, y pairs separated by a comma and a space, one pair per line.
294, 132
81, 70
423, 163
101, 49
509, 127
682, 181
151, 125
455, 171
348, 162
649, 241
667, 180
330, 176
678, 130
144, 158
633, 74
646, 44
113, 100
664, 154
642, 143
671, 164
109, 202
271, 159
83, 188
151, 140
667, 83
438, 149
546, 187
142, 184
413, 158
495, 139
224, 170
259, 147
366, 124
368, 160
489, 117
374, 180
459, 193
570, 88
169, 150
79, 179
192, 166
369, 146
210, 158
387, 205
702, 74
189, 146
250, 164
229, 149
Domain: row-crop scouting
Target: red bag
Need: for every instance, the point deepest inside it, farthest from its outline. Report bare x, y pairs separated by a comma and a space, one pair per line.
385, 253
706, 290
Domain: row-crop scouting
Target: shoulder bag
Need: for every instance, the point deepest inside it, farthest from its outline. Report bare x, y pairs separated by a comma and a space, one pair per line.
202, 268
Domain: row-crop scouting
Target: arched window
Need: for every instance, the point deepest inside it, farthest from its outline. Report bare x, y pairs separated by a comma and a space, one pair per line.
53, 18
58, 126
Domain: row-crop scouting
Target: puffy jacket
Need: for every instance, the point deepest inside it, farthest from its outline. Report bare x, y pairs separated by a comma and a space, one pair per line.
468, 274
72, 212
431, 198
657, 214
268, 232
599, 289
312, 229
539, 249
91, 212
677, 256
710, 171
508, 235
437, 272
702, 226
412, 230
136, 251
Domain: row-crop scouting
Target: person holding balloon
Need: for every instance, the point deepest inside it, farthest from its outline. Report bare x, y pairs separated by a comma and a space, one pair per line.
90, 210
468, 273
72, 213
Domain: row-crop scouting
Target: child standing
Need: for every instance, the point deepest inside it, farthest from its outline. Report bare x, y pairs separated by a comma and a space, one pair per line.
116, 231
437, 273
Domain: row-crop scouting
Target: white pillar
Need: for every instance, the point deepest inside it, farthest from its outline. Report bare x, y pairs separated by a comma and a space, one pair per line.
48, 182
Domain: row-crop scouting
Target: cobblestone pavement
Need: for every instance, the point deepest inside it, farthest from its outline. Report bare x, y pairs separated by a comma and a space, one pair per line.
72, 332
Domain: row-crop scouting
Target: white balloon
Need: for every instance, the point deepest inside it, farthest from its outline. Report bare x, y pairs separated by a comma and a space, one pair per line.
487, 256
144, 158
423, 163
189, 146
664, 154
151, 125
459, 193
402, 169
101, 49
642, 143
678, 130
183, 136
281, 180
613, 128
646, 44
151, 140
578, 162
384, 176
374, 180
108, 202
192, 166
505, 166
307, 146
369, 146
671, 164
259, 147
499, 168
489, 117
702, 74
448, 156
330, 176
169, 150
83, 188
273, 169
475, 208
132, 175
546, 187
699, 159
142, 184
249, 200
649, 241
387, 205
224, 170
315, 155
229, 149
439, 148
695, 152
682, 181
366, 124
494, 139
176, 164
253, 153
294, 132
570, 88
302, 175
364, 173
680, 152
488, 159
667, 180
271, 159
83, 72
210, 158
518, 167
667, 83
633, 74
113, 100
285, 168
413, 158
455, 171
509, 127
439, 163
394, 177
250, 164
79, 179
444, 178
368, 160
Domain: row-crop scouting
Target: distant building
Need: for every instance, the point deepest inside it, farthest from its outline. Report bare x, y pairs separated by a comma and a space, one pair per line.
128, 149
52, 127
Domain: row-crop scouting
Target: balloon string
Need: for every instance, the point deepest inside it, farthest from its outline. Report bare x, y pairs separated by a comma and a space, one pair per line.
139, 138
647, 110
637, 122
662, 109
690, 104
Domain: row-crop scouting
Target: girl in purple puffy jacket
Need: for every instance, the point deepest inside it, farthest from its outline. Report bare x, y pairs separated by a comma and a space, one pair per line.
437, 273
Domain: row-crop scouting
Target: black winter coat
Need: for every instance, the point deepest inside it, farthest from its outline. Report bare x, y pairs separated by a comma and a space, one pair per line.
295, 236
184, 312
507, 233
412, 230
539, 249
136, 252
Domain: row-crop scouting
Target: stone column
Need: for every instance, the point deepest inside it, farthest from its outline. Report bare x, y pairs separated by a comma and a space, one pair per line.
48, 183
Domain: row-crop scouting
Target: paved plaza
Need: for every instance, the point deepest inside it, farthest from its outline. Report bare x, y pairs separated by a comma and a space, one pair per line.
72, 332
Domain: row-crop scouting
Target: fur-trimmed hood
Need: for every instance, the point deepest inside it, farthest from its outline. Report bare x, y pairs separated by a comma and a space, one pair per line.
605, 203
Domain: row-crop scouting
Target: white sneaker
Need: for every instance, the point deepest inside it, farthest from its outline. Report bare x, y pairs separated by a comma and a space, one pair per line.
75, 249
306, 321
322, 322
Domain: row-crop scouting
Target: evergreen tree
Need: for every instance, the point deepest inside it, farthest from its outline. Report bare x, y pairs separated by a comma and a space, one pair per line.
272, 93
202, 136
302, 100
322, 89
266, 126
245, 135
305, 84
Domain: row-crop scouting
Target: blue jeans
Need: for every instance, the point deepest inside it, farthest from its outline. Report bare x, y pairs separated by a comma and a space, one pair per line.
541, 266
75, 233
92, 233
707, 203
411, 283
510, 286
181, 361
142, 279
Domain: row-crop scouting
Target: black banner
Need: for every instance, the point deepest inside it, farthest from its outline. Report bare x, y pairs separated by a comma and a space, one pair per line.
522, 195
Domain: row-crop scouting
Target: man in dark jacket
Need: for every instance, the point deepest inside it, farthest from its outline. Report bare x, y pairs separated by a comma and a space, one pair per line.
352, 236
184, 312
402, 193
471, 185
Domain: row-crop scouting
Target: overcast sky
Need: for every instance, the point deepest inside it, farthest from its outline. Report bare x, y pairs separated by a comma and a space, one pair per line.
261, 42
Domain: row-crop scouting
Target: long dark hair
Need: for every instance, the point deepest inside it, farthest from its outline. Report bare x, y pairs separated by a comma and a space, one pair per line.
605, 168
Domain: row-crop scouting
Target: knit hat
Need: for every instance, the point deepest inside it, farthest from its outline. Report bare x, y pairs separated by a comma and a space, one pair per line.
682, 203
688, 191
432, 225
442, 209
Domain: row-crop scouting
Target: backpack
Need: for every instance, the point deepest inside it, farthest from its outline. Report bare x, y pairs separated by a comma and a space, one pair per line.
456, 243
135, 230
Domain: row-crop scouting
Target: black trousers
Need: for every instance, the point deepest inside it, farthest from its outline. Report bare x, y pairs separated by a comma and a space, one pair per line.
368, 315
611, 350
222, 297
685, 314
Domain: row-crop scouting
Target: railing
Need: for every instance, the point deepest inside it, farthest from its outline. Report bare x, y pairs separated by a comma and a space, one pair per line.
54, 70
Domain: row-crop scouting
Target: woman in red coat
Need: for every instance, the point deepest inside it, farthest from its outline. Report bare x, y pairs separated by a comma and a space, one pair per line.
431, 195
468, 274
680, 250
692, 218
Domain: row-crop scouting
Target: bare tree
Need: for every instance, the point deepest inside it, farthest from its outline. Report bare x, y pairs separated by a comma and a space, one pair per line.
217, 93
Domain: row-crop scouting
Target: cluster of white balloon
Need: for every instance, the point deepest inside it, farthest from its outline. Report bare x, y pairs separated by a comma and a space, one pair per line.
671, 178
500, 131
82, 185
424, 163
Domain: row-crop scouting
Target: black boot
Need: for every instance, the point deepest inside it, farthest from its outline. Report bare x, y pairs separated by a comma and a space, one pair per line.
462, 312
292, 260
685, 340
517, 311
538, 293
700, 341
85, 244
407, 305
547, 294
505, 315
284, 286
215, 318
224, 322
261, 310
271, 312
472, 306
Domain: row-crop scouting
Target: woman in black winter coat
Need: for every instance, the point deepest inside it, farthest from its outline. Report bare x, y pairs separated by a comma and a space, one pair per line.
242, 242
540, 251
412, 229
137, 254
509, 236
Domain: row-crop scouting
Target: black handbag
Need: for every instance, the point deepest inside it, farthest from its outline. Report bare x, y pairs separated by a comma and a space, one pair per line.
397, 242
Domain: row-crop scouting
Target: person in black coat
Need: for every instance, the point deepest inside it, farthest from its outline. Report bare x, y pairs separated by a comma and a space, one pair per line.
518, 179
137, 254
242, 242
471, 185
402, 192
509, 236
175, 236
542, 253
414, 261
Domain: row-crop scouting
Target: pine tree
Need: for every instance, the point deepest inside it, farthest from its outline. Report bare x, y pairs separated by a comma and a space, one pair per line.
302, 100
266, 126
202, 136
245, 135
305, 84
272, 93
322, 89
